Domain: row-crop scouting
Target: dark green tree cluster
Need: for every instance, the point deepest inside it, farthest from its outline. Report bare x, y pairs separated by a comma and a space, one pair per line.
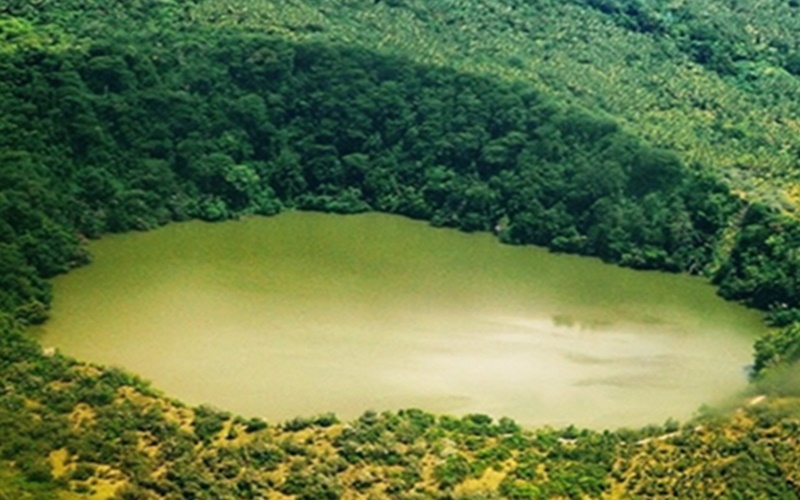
764, 266
763, 270
777, 348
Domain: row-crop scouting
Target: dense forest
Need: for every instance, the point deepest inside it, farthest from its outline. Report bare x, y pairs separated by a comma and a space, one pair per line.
119, 116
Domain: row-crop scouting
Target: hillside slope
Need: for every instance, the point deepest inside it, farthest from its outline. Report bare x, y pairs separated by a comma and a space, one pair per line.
716, 81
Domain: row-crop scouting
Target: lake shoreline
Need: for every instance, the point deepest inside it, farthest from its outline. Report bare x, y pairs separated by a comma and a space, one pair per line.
464, 283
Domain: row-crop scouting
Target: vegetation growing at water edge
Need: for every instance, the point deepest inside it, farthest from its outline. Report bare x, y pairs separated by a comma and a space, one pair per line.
171, 110
68, 426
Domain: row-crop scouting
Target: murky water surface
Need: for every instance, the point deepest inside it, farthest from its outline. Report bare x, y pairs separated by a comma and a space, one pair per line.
305, 313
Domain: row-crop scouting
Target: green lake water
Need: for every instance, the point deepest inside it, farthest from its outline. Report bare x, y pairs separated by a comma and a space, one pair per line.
305, 313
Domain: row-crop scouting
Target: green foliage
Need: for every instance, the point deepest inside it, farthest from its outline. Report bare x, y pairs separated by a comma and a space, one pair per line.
305, 486
264, 455
15, 486
255, 425
208, 422
454, 470
497, 115
297, 424
764, 266
712, 80
776, 348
